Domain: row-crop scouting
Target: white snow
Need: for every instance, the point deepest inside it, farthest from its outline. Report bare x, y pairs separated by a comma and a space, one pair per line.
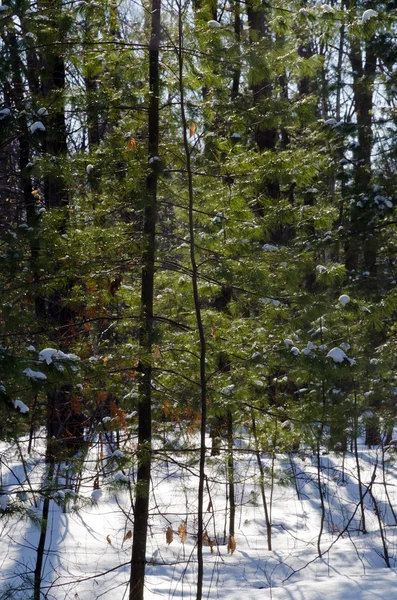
89, 169
153, 159
37, 126
344, 299
226, 391
320, 330
120, 476
4, 500
36, 375
345, 346
339, 356
118, 454
326, 8
31, 349
21, 405
5, 112
321, 269
269, 247
295, 350
270, 301
368, 14
288, 343
49, 354
213, 24
42, 112
89, 541
96, 495
330, 122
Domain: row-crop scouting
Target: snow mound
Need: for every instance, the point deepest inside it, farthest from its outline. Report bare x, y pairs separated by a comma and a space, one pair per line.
35, 375
368, 14
5, 112
344, 299
49, 354
37, 126
96, 495
339, 356
226, 391
22, 407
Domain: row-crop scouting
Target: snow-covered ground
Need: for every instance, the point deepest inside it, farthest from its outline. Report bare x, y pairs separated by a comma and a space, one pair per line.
89, 545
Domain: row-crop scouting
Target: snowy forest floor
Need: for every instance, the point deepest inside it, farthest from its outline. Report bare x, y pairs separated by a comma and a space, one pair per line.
89, 542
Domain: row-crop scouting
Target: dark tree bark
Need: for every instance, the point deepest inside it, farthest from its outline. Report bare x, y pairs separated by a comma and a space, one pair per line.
199, 321
141, 512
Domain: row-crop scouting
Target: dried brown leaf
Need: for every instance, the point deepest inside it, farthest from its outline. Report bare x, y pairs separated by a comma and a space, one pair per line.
127, 536
169, 536
231, 545
109, 541
182, 530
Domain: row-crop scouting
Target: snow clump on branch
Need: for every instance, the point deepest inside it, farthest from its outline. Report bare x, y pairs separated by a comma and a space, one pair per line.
49, 354
368, 14
338, 356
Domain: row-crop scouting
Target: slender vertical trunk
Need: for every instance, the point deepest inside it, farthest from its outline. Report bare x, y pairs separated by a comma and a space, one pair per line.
358, 468
230, 469
237, 33
385, 485
262, 486
321, 495
43, 535
199, 322
363, 62
141, 511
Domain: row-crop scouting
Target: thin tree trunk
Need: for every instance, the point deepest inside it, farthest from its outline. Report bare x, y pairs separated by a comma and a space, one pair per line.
262, 486
43, 535
230, 469
141, 512
360, 491
199, 322
321, 494
238, 26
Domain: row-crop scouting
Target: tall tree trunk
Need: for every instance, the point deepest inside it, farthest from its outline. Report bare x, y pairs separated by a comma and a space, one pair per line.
238, 26
265, 136
199, 322
43, 534
230, 469
141, 512
262, 485
363, 62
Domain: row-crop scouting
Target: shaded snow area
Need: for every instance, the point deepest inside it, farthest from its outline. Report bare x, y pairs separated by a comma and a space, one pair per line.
90, 521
